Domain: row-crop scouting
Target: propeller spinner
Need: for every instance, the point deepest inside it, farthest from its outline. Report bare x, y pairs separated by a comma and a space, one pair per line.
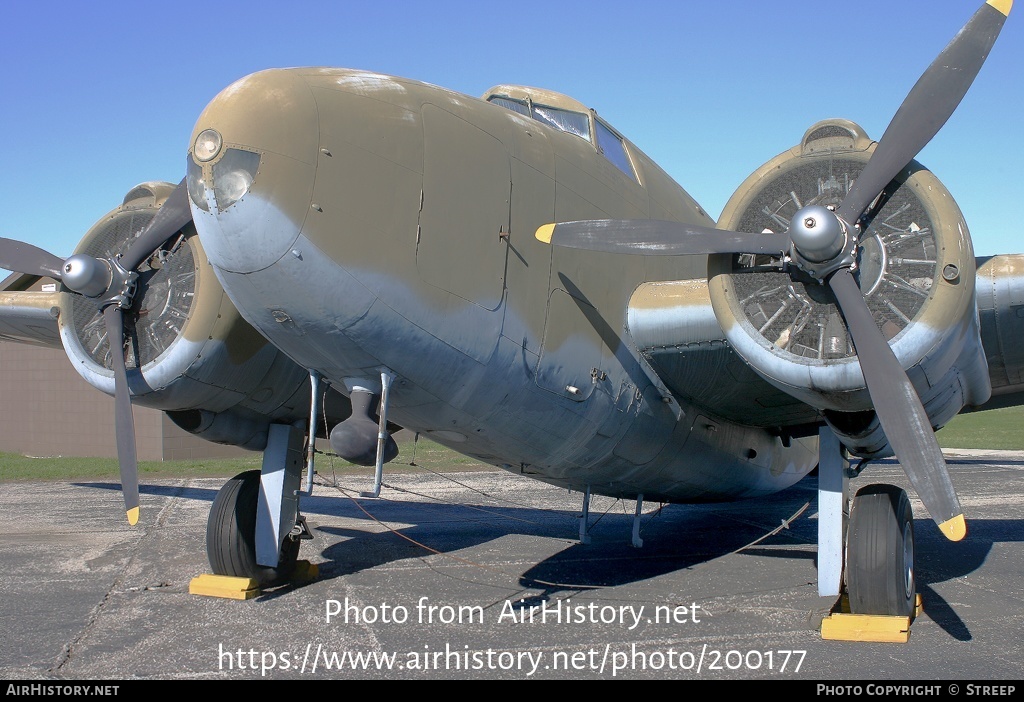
823, 242
110, 283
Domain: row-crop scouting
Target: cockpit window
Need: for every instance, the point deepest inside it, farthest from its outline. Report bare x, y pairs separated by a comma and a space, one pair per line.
514, 105
607, 141
576, 123
572, 122
614, 150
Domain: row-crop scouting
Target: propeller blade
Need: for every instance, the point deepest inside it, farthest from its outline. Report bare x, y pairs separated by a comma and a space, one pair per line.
26, 258
174, 214
899, 410
83, 273
928, 105
124, 421
654, 237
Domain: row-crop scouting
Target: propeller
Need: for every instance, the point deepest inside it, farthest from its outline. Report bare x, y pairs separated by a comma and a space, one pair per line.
823, 242
651, 236
110, 282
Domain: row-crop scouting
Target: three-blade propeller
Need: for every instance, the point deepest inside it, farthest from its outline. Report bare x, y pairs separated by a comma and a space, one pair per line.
111, 284
824, 243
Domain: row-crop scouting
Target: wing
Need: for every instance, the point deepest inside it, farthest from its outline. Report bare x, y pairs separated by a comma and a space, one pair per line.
29, 316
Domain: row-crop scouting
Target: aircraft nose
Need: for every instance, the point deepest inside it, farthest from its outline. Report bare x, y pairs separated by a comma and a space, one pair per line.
251, 168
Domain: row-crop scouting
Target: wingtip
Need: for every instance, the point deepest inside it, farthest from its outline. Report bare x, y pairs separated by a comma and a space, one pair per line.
954, 529
545, 232
133, 516
1002, 5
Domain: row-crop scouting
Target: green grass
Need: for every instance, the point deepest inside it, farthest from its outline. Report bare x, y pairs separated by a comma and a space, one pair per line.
991, 429
423, 453
14, 467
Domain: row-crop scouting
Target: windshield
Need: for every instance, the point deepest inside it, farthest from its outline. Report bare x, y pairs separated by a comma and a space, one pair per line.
577, 123
608, 143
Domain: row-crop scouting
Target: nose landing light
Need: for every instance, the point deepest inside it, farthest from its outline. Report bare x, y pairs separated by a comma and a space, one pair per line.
218, 178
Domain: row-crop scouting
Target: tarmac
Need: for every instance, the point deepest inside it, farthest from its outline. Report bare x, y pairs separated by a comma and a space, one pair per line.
481, 575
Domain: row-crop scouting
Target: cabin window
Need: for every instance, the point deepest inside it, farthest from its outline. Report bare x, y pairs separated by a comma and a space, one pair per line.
610, 144
577, 123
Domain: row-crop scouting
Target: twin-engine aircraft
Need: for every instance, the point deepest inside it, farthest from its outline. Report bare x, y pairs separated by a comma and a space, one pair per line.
349, 253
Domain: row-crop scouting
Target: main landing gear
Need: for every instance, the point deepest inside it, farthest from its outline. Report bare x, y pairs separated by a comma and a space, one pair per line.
865, 552
255, 527
880, 552
231, 535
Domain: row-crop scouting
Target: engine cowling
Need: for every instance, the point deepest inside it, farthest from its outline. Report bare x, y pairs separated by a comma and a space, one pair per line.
189, 351
916, 271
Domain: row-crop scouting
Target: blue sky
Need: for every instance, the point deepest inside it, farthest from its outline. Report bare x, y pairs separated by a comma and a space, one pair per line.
96, 97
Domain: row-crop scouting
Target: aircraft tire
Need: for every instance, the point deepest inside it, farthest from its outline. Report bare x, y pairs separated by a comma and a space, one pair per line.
880, 552
231, 534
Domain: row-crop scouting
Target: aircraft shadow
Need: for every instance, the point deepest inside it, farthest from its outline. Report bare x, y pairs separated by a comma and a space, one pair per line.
984, 461
609, 560
676, 538
191, 493
938, 560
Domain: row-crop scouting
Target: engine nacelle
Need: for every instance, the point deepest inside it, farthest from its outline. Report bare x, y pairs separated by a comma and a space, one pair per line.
190, 352
916, 271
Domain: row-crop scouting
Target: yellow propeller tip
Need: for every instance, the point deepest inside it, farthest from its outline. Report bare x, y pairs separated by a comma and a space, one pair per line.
1002, 5
954, 529
133, 516
544, 233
